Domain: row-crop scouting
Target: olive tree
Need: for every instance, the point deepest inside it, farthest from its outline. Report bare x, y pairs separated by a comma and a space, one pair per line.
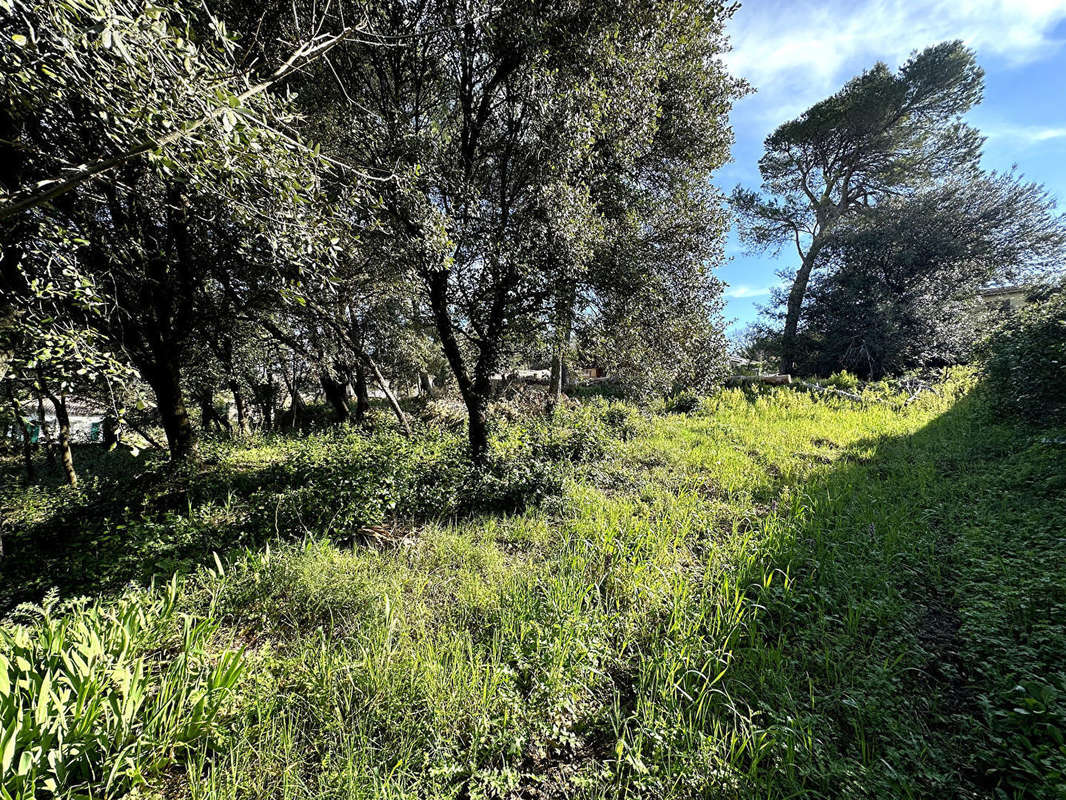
112, 191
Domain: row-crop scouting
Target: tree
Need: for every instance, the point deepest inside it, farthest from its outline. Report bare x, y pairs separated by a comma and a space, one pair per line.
517, 122
518, 140
883, 135
651, 305
223, 213
159, 81
53, 359
899, 286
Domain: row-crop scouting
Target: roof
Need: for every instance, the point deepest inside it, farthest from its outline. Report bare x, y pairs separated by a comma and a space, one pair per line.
992, 291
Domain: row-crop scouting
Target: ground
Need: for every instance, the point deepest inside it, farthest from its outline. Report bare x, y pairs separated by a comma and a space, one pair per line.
775, 595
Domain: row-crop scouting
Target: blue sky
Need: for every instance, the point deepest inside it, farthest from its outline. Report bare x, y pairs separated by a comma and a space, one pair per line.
795, 53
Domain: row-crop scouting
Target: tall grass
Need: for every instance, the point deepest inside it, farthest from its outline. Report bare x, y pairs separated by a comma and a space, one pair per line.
764, 594
101, 698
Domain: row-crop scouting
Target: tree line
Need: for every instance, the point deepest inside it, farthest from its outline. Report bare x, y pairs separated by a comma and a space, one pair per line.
262, 195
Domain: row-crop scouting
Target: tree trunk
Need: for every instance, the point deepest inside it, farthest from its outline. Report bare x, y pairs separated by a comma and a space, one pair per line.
27, 450
337, 396
242, 412
555, 382
393, 402
63, 419
24, 430
296, 405
362, 395
267, 412
476, 402
478, 429
165, 381
795, 303
564, 321
209, 417
426, 386
110, 432
46, 434
264, 398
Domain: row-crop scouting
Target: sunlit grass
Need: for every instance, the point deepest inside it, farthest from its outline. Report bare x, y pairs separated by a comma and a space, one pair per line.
775, 595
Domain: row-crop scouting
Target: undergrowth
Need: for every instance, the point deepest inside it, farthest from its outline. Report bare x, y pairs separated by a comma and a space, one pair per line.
765, 593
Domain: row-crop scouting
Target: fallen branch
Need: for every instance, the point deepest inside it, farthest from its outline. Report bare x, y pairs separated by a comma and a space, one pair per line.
144, 435
814, 387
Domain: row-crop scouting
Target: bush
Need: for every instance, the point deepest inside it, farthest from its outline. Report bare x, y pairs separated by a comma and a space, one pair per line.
1025, 360
623, 420
842, 380
682, 403
96, 699
342, 481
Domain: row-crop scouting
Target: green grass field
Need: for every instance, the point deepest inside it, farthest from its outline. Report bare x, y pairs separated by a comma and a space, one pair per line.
773, 596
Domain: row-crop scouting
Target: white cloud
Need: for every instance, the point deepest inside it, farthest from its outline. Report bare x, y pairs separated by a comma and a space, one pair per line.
1023, 134
796, 52
747, 291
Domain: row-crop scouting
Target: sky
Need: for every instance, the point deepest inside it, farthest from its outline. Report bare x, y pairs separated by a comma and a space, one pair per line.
796, 53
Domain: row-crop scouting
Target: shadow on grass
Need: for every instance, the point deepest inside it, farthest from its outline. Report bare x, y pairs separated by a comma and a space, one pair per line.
890, 665
926, 583
137, 518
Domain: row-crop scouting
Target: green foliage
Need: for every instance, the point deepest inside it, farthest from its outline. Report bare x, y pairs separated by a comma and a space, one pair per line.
134, 518
1024, 360
161, 82
623, 420
899, 286
882, 135
337, 482
682, 403
842, 380
785, 594
184, 147
99, 698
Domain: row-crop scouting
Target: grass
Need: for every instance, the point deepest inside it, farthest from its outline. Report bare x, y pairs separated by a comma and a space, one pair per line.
773, 595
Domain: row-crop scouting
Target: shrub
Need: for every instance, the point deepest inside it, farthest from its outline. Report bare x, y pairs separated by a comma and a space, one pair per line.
623, 420
95, 699
344, 480
1025, 360
682, 403
842, 380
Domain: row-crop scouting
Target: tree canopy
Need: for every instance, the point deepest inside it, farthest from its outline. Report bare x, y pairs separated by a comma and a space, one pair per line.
900, 286
883, 135
367, 193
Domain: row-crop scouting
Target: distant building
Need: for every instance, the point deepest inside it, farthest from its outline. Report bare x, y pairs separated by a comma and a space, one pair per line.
1008, 299
86, 421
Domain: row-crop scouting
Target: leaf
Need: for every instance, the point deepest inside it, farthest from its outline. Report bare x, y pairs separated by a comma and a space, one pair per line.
7, 747
19, 39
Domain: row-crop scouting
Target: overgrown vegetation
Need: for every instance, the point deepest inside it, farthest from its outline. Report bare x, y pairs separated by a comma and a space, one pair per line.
136, 517
101, 698
1025, 359
772, 594
353, 236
